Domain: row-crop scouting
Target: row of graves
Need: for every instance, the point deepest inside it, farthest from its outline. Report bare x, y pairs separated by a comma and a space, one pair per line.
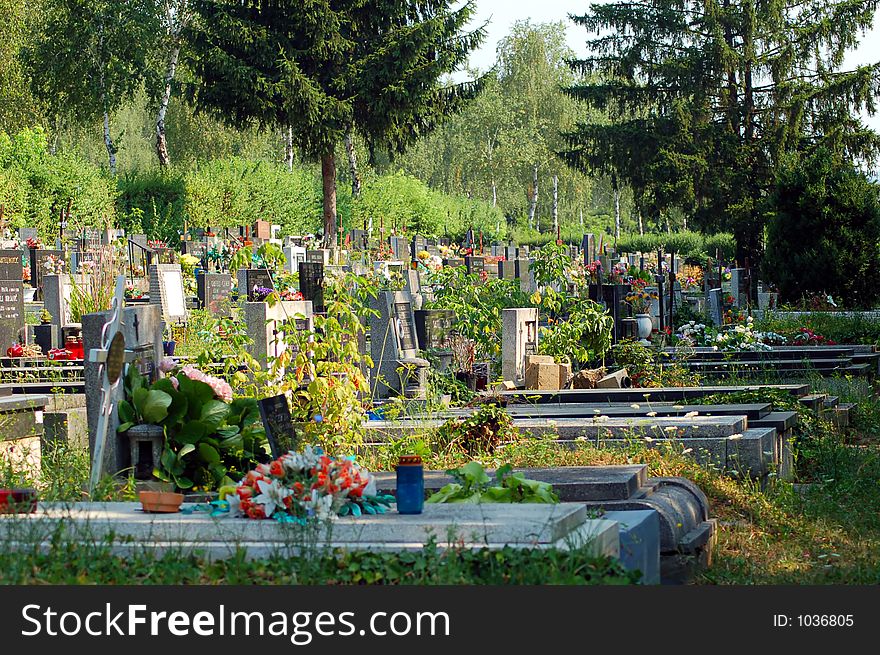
660, 526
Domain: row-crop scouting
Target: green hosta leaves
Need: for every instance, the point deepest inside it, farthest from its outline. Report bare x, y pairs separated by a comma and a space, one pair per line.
213, 413
152, 405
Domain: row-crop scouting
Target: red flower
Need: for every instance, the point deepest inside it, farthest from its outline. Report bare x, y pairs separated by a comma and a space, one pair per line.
276, 470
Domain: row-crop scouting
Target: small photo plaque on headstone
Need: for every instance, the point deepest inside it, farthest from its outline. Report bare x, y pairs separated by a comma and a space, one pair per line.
278, 423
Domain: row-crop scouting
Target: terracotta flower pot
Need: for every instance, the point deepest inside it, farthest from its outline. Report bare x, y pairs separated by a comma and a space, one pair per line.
160, 501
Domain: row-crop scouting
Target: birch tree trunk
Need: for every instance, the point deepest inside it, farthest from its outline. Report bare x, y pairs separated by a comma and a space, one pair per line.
352, 165
641, 224
616, 212
494, 193
328, 178
555, 205
581, 215
108, 141
161, 143
533, 201
288, 148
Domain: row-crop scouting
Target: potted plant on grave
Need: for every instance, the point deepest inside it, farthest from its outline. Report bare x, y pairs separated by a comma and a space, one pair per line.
208, 438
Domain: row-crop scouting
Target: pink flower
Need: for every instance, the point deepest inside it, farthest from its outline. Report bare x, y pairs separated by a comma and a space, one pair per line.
167, 365
221, 388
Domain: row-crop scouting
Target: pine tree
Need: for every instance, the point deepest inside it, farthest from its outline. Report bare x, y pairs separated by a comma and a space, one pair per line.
707, 97
324, 67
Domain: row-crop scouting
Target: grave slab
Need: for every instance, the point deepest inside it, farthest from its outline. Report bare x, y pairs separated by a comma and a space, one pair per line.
564, 525
639, 542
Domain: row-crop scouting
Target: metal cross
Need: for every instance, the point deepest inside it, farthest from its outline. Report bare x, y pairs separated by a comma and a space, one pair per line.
111, 355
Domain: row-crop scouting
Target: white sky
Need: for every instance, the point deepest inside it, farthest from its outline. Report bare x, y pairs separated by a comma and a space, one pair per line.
502, 14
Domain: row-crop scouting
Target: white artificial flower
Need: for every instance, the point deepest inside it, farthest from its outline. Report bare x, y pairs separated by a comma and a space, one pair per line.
272, 495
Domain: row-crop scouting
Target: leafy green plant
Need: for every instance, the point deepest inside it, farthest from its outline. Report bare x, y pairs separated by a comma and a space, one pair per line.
479, 433
207, 441
473, 485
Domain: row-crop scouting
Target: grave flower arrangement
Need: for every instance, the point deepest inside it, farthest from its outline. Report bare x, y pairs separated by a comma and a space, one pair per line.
261, 293
307, 484
290, 294
34, 243
640, 299
26, 274
53, 265
132, 293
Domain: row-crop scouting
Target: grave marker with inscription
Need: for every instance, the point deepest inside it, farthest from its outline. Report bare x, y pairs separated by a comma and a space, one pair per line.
166, 290
278, 424
11, 312
214, 291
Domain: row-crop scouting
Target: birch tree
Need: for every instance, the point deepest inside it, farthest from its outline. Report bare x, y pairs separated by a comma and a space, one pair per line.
91, 57
173, 17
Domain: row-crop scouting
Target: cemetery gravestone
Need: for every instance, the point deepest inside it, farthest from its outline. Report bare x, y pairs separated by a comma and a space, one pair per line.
318, 257
507, 270
293, 256
198, 249
474, 264
419, 244
11, 312
39, 259
433, 328
166, 290
266, 325
262, 230
311, 284
393, 345
10, 265
400, 248
519, 339
214, 291
716, 308
278, 424
252, 278
25, 233
141, 329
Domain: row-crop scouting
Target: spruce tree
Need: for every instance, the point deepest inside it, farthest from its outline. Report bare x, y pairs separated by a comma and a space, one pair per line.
322, 67
707, 97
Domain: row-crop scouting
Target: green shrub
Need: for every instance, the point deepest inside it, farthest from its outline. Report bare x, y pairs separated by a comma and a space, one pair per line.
403, 201
36, 185
823, 232
232, 192
152, 202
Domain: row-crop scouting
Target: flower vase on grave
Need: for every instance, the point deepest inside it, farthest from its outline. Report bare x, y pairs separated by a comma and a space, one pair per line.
168, 348
645, 325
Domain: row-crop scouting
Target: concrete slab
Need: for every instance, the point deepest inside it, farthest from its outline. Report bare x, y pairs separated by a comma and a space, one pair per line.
639, 542
565, 525
599, 427
574, 483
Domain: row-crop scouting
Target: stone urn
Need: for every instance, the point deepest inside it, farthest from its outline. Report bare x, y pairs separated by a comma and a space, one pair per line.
644, 325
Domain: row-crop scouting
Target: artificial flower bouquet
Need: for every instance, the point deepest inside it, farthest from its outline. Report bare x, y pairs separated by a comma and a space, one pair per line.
302, 485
